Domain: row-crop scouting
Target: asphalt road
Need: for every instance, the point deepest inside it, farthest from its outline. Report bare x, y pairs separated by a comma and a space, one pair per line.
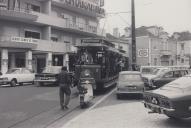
23, 104
128, 112
37, 107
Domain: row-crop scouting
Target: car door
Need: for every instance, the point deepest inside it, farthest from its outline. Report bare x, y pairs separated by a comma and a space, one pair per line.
166, 78
176, 75
28, 75
19, 75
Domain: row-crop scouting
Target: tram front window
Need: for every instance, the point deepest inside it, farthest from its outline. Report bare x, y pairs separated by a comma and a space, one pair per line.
86, 58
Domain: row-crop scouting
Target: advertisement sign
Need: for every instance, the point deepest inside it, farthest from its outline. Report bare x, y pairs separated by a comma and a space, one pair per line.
143, 52
3, 3
24, 40
89, 5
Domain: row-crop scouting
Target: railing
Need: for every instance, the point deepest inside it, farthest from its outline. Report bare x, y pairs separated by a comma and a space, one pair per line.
81, 27
21, 10
165, 52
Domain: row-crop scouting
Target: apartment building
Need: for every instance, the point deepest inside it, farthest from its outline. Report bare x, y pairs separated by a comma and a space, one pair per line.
184, 52
154, 46
39, 33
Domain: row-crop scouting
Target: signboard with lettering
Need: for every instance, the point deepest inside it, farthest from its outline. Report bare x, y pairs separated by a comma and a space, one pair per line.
143, 52
22, 39
3, 3
89, 5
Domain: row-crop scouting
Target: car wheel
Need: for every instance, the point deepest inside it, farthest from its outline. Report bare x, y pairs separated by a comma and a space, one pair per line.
21, 84
39, 84
173, 118
118, 96
13, 83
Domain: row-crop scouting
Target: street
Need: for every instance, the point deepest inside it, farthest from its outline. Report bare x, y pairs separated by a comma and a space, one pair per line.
33, 106
38, 107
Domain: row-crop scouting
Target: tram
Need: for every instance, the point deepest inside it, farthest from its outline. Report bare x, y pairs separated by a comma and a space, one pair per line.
98, 59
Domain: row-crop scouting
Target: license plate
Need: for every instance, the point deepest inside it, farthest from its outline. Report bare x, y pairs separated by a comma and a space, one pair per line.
132, 88
44, 78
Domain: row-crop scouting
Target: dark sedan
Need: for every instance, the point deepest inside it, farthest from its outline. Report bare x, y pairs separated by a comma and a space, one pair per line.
173, 99
167, 77
49, 75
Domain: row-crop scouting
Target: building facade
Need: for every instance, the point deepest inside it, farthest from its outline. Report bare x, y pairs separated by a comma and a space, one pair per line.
184, 52
39, 33
154, 47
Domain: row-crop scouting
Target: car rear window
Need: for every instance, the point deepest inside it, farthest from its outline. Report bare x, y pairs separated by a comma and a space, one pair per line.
130, 77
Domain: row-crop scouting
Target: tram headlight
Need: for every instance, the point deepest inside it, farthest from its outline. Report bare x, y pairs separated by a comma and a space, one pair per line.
87, 81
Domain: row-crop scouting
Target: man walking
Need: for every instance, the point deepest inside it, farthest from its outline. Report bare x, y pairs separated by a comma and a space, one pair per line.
65, 92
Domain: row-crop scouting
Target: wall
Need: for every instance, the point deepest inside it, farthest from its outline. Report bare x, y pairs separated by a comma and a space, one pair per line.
142, 43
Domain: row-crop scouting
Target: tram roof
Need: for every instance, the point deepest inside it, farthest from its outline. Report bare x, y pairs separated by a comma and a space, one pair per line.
100, 43
95, 42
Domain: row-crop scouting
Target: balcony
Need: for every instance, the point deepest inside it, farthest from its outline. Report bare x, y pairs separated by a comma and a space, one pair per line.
165, 52
50, 46
67, 25
17, 42
17, 14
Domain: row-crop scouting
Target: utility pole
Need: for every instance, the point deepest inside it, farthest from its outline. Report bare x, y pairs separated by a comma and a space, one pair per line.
133, 37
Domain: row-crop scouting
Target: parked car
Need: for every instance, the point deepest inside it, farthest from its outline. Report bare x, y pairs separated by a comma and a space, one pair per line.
49, 75
129, 82
154, 73
17, 76
173, 99
167, 77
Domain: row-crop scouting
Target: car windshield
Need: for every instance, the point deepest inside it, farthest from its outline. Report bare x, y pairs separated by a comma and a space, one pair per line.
147, 70
52, 70
13, 71
129, 77
158, 71
155, 71
182, 83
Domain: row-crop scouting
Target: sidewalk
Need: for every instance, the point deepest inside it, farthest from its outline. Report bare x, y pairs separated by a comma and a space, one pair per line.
125, 115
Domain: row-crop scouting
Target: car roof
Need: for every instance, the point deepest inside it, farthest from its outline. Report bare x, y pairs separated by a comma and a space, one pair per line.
176, 70
54, 67
19, 68
129, 72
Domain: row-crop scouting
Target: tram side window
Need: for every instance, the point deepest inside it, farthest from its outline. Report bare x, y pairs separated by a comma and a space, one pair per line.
100, 58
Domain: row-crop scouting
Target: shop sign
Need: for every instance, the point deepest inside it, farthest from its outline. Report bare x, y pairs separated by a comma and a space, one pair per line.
24, 40
3, 3
86, 5
143, 52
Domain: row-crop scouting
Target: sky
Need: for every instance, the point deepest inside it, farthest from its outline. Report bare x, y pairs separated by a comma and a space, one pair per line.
172, 15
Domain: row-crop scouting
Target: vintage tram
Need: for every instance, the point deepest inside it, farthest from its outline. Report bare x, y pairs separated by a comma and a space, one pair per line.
100, 62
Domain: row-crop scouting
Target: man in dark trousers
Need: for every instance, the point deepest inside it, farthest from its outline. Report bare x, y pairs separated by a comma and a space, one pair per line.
64, 80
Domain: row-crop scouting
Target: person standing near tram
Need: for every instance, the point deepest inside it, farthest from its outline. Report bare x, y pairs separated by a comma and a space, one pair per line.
65, 83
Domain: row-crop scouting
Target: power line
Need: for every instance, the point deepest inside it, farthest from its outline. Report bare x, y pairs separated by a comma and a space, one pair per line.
123, 19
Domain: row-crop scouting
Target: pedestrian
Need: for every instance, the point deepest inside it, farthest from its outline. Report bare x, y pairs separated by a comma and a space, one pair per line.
64, 80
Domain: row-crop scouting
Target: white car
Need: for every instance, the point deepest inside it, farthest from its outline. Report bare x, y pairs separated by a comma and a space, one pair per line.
17, 76
129, 82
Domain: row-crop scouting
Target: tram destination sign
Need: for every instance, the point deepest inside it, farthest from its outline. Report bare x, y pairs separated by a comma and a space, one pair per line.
91, 42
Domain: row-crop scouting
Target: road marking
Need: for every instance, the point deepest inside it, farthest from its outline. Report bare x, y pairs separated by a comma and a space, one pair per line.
97, 103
